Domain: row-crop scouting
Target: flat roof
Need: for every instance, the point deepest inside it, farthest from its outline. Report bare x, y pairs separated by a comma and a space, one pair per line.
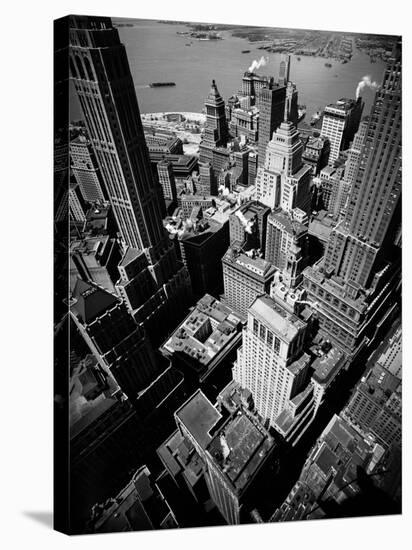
283, 323
205, 332
199, 416
327, 365
240, 448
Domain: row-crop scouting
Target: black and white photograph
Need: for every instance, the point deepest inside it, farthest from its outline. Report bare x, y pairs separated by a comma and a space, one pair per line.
205, 240
228, 338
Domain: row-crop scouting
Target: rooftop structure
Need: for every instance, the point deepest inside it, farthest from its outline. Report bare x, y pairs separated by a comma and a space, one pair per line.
138, 506
234, 447
245, 276
207, 334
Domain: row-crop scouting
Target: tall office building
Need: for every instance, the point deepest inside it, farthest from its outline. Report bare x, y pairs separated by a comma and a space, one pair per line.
340, 123
284, 70
95, 259
237, 453
247, 225
167, 180
105, 88
376, 406
104, 85
202, 246
351, 165
207, 180
356, 282
355, 244
292, 103
284, 179
287, 246
316, 153
271, 102
114, 337
245, 277
216, 128
76, 203
272, 365
85, 170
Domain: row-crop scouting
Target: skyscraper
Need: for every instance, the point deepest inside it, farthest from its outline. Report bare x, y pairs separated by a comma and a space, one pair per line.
105, 88
85, 170
356, 282
104, 85
340, 123
287, 246
216, 128
284, 70
376, 189
114, 338
272, 364
234, 447
245, 277
271, 102
167, 179
284, 180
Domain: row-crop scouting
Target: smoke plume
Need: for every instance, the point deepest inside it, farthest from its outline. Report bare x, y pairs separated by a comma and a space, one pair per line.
366, 82
257, 64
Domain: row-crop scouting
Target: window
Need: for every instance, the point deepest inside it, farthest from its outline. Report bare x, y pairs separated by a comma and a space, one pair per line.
89, 71
73, 68
262, 332
80, 68
255, 326
276, 345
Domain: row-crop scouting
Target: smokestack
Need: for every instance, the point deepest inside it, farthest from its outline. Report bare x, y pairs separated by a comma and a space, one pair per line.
366, 82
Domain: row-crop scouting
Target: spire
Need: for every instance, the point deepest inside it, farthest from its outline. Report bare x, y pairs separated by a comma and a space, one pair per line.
214, 92
286, 111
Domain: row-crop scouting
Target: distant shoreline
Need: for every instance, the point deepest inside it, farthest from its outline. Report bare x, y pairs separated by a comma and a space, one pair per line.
199, 117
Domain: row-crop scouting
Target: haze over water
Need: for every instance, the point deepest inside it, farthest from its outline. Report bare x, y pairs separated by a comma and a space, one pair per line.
157, 54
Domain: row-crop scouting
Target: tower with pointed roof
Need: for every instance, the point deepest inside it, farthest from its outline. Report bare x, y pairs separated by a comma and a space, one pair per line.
284, 179
216, 128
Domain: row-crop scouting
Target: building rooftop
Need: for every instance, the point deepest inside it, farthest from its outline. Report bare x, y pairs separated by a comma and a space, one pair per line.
130, 255
236, 442
138, 506
91, 395
89, 244
205, 332
89, 301
320, 229
284, 324
258, 267
317, 274
292, 226
343, 104
339, 452
240, 448
326, 366
199, 416
179, 457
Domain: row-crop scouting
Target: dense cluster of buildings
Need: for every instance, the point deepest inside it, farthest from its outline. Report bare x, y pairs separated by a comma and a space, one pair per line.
202, 324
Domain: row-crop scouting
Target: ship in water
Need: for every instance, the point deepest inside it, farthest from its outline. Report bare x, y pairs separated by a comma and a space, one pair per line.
245, 51
161, 84
328, 65
315, 118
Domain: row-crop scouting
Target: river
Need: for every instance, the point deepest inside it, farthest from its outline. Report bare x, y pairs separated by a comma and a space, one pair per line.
157, 53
